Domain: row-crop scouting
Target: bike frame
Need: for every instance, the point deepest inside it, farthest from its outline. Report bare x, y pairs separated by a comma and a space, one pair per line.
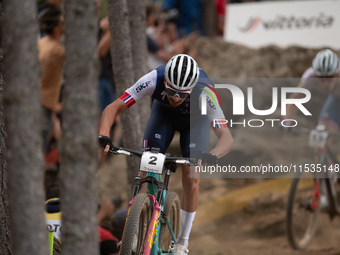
323, 155
152, 190
157, 191
324, 183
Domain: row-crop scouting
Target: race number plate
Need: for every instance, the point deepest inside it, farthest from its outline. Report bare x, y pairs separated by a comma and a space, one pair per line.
152, 162
317, 139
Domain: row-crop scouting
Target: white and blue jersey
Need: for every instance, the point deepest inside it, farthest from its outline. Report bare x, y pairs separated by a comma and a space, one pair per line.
186, 118
330, 113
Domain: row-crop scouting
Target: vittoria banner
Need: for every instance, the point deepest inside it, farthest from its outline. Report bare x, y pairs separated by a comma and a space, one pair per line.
312, 24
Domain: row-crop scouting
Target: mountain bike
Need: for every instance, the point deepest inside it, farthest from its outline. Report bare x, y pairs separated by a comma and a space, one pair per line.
153, 220
312, 182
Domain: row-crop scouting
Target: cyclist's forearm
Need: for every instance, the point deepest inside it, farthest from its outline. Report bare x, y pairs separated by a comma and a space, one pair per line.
225, 142
106, 121
109, 115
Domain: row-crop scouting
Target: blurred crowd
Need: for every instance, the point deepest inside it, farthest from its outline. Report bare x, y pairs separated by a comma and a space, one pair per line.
110, 219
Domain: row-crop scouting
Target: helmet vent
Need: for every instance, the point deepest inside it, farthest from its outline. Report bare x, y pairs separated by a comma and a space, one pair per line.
182, 72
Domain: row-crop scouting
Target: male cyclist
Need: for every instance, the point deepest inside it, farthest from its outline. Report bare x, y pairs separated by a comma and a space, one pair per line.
177, 89
323, 77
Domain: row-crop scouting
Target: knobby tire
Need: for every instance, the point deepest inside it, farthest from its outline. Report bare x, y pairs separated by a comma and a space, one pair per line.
137, 223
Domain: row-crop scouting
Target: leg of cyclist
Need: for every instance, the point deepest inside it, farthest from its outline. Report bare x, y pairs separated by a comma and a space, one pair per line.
189, 203
194, 141
330, 117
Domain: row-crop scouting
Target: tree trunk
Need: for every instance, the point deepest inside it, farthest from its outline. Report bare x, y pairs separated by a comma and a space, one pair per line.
79, 145
24, 140
137, 16
209, 17
5, 238
121, 53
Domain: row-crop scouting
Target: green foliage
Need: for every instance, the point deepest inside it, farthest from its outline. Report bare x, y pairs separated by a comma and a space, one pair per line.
103, 8
41, 2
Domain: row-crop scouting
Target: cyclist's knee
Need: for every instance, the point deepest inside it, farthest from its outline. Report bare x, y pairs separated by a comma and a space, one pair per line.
189, 184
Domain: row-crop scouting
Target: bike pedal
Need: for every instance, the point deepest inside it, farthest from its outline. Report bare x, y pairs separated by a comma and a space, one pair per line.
172, 246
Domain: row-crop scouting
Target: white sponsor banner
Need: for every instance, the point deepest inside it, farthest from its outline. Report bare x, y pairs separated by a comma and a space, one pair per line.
311, 24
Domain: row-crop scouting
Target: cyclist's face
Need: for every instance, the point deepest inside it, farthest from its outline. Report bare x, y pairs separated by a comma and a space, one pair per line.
176, 100
175, 97
328, 83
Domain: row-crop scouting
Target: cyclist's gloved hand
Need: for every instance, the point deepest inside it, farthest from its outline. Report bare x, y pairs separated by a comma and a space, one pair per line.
104, 140
208, 158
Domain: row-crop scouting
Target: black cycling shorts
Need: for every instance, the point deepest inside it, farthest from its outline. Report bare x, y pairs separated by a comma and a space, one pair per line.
164, 122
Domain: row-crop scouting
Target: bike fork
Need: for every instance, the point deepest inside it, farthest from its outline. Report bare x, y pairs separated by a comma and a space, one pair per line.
152, 229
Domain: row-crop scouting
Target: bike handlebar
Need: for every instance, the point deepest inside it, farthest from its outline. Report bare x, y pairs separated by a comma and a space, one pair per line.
119, 150
168, 158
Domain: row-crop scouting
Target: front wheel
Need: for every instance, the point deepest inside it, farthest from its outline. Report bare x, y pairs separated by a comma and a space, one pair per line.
303, 210
136, 226
172, 212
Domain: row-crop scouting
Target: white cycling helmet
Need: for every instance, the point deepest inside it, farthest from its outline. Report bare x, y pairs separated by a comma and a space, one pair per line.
182, 72
326, 63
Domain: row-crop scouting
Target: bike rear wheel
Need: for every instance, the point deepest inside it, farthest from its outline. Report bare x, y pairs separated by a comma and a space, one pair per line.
172, 211
136, 226
302, 210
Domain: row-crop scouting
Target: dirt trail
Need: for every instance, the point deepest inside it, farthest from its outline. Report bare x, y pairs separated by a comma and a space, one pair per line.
264, 233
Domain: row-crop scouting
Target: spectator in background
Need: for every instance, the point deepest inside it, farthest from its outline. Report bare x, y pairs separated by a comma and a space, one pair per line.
118, 223
48, 5
114, 227
106, 87
220, 11
52, 209
106, 82
156, 55
106, 209
163, 42
108, 243
51, 57
189, 15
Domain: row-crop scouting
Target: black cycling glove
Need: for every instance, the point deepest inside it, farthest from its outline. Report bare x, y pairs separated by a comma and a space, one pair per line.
104, 140
208, 158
